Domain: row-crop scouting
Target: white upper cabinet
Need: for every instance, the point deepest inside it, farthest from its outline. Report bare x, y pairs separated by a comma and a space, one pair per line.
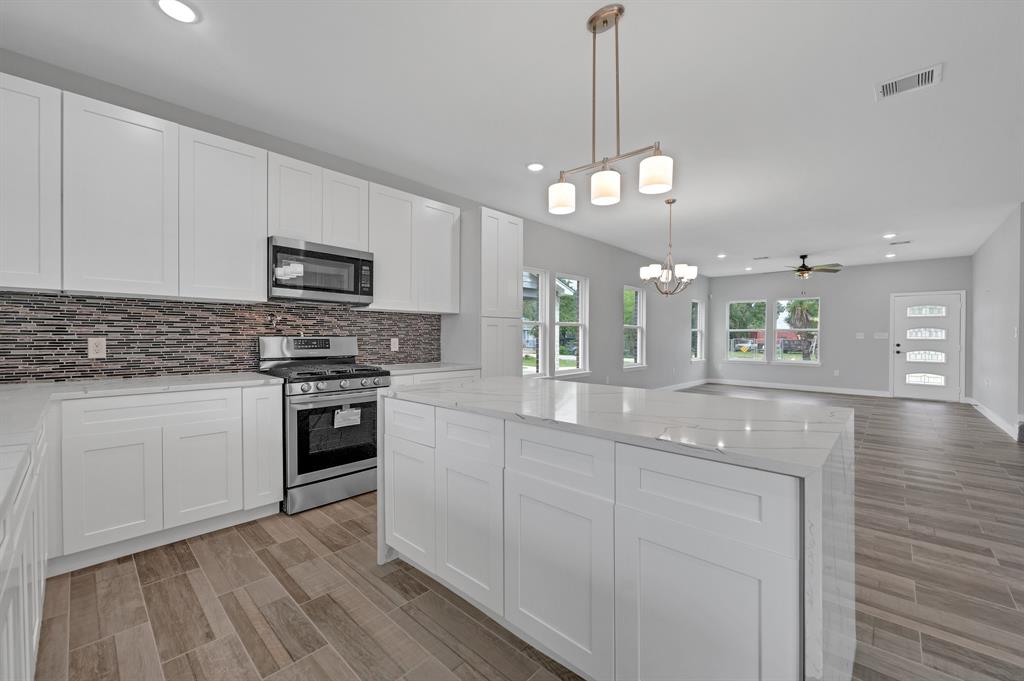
501, 264
501, 342
346, 211
435, 243
295, 199
223, 218
29, 184
415, 244
120, 200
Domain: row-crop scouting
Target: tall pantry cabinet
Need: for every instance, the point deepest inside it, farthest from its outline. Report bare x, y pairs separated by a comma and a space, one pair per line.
501, 293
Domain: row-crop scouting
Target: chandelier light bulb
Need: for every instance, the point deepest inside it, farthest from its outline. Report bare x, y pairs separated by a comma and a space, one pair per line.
656, 174
561, 197
605, 186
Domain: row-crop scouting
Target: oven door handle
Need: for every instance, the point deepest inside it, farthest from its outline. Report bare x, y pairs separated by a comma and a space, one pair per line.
309, 401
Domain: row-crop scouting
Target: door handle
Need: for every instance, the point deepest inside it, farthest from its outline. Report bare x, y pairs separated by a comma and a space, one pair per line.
897, 352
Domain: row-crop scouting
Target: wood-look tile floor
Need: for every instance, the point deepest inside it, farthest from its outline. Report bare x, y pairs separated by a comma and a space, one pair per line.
284, 598
940, 581
940, 539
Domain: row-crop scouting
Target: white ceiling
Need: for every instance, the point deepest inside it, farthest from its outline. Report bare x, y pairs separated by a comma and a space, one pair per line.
767, 107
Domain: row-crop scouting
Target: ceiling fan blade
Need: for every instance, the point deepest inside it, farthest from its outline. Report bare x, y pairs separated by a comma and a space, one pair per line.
833, 268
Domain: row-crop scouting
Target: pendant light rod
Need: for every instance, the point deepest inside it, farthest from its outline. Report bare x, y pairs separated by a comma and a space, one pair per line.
593, 100
618, 128
654, 148
670, 202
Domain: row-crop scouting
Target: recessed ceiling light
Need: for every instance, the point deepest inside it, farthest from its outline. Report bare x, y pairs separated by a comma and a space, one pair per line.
178, 11
535, 167
890, 255
748, 268
721, 255
888, 236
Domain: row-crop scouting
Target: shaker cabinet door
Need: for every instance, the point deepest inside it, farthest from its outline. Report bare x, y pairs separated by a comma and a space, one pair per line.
436, 263
692, 605
294, 199
120, 200
30, 164
391, 241
223, 218
346, 211
501, 253
202, 469
559, 570
262, 445
409, 500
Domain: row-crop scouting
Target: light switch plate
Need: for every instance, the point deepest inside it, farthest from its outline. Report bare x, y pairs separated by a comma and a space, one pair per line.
97, 348
860, 335
394, 345
881, 335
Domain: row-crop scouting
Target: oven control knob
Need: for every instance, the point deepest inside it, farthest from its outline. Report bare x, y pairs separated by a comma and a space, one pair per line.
364, 382
344, 383
376, 381
305, 387
321, 385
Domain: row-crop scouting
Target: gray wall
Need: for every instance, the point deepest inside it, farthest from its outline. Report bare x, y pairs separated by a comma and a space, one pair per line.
996, 299
856, 300
460, 334
609, 269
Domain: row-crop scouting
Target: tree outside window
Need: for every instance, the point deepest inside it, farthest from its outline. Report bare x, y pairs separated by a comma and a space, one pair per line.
746, 341
796, 330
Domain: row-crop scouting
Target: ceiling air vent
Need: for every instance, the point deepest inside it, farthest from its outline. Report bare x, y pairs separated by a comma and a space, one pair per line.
899, 243
913, 81
762, 257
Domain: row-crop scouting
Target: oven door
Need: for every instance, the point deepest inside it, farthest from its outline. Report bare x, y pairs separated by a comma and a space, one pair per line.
306, 270
330, 435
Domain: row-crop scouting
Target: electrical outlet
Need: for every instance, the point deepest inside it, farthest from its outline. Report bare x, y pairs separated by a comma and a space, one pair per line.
836, 372
97, 348
394, 345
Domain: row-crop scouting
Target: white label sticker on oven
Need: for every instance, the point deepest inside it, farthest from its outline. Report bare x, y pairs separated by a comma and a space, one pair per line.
347, 417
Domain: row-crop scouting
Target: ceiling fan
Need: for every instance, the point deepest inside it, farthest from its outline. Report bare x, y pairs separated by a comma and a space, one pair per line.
804, 270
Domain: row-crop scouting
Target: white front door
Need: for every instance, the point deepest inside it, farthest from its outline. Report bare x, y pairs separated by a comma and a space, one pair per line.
926, 345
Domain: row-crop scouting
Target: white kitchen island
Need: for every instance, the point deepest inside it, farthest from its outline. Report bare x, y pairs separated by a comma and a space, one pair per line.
631, 534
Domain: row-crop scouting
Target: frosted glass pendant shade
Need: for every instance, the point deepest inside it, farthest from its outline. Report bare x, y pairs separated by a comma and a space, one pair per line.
656, 174
561, 198
604, 187
686, 272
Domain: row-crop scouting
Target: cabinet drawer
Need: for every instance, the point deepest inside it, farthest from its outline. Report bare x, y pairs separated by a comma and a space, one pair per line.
409, 420
132, 412
447, 376
575, 461
754, 507
480, 438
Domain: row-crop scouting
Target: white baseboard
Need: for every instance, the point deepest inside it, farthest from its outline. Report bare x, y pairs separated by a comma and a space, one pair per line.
75, 561
1003, 425
683, 386
805, 388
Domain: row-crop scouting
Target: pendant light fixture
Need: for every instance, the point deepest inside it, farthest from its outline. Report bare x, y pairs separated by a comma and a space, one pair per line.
605, 183
668, 277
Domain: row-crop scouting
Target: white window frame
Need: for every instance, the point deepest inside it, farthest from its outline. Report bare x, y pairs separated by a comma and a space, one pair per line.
775, 334
542, 321
582, 325
699, 330
764, 330
640, 327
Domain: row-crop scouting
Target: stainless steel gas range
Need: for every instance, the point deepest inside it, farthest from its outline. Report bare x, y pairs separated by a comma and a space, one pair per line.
330, 417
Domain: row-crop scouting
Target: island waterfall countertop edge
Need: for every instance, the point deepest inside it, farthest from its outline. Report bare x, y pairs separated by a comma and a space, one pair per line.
781, 437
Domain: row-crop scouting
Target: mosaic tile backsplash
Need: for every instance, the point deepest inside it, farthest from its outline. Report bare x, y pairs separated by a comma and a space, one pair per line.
43, 335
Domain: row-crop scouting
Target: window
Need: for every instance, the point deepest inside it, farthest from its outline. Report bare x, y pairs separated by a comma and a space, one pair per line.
534, 317
696, 330
926, 311
933, 356
926, 334
570, 342
796, 330
746, 331
633, 313
926, 379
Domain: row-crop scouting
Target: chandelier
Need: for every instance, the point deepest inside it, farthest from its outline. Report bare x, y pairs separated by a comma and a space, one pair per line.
668, 277
655, 170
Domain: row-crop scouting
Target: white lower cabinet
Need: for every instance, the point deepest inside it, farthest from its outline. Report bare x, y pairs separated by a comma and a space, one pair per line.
137, 464
692, 605
470, 451
409, 500
559, 570
202, 470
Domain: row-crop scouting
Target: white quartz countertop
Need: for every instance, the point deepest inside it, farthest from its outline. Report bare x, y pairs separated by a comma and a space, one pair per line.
23, 405
428, 367
782, 437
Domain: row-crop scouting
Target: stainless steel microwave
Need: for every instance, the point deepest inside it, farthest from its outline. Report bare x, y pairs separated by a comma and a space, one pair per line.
312, 271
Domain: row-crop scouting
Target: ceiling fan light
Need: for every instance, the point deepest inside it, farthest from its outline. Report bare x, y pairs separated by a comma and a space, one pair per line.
561, 198
605, 187
656, 174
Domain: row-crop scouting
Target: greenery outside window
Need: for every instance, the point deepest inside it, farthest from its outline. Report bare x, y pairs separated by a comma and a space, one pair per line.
570, 337
633, 331
796, 331
747, 331
534, 317
696, 330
